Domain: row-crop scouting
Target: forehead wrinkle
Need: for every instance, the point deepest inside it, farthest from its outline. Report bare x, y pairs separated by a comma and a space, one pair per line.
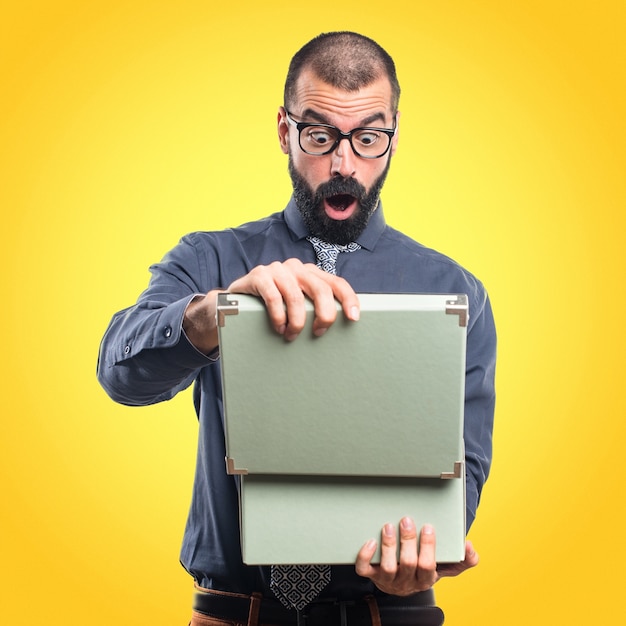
339, 112
316, 116
344, 102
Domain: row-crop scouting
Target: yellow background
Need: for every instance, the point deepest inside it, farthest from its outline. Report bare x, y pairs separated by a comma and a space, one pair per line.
124, 125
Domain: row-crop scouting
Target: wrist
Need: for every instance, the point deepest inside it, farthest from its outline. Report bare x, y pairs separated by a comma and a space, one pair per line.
200, 323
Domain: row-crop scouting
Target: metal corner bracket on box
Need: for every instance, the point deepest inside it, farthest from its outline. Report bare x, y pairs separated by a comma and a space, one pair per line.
234, 471
225, 307
459, 307
457, 473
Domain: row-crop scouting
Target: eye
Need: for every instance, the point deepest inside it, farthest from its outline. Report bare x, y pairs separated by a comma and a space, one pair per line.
319, 136
367, 138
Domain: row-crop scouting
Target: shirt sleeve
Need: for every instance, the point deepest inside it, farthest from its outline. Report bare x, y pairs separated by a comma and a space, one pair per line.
479, 402
145, 356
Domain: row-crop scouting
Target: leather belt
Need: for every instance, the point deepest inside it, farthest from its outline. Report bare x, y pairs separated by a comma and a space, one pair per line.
319, 613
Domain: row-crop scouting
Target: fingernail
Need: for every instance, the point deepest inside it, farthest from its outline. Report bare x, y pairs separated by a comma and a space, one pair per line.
428, 529
389, 530
371, 544
355, 313
281, 329
407, 523
320, 331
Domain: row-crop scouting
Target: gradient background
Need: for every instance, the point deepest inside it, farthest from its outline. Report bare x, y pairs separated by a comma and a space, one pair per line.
124, 126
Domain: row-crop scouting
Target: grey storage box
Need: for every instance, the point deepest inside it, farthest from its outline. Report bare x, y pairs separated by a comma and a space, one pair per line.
335, 436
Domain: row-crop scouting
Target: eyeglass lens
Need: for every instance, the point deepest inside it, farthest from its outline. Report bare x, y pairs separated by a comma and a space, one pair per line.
318, 140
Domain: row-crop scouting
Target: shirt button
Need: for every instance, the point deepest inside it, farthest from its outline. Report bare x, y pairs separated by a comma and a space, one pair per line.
127, 350
167, 332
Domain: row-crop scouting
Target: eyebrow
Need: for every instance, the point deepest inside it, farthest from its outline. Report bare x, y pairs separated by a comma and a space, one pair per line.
322, 119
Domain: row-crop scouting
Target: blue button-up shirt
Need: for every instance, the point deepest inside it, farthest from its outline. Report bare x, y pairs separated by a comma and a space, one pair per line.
145, 357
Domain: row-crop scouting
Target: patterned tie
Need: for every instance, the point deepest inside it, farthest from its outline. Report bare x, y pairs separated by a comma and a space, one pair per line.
298, 585
327, 253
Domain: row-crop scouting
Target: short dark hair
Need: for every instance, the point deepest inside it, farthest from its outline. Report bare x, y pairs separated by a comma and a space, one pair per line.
345, 60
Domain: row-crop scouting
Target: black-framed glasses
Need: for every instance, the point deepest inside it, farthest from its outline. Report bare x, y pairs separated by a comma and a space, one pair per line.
320, 139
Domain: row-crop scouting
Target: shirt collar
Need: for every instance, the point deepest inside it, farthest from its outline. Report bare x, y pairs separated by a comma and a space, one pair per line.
368, 238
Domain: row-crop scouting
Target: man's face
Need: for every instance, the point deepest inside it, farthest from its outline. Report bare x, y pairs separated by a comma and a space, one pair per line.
337, 192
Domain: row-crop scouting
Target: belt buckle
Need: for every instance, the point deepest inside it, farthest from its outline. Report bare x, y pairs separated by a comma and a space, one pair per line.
340, 605
343, 611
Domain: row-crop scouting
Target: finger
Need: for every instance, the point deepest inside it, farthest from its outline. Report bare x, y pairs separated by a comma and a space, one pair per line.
388, 553
426, 560
471, 556
340, 291
344, 293
260, 281
287, 277
408, 548
363, 565
454, 569
317, 285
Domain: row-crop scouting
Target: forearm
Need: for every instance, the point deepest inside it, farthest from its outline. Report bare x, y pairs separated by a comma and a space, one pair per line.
145, 356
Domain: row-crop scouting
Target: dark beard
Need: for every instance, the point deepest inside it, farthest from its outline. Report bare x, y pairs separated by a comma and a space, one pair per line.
311, 205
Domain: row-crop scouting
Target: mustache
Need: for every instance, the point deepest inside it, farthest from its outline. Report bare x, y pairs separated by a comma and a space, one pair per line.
341, 186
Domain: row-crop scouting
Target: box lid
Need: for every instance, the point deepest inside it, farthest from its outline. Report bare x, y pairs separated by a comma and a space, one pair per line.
383, 396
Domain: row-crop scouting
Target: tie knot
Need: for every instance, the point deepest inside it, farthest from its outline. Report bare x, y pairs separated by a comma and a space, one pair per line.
327, 253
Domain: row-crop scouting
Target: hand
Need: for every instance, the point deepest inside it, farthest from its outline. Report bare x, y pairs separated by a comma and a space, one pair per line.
415, 571
283, 287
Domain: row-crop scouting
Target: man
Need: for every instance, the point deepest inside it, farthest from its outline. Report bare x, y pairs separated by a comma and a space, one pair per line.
339, 127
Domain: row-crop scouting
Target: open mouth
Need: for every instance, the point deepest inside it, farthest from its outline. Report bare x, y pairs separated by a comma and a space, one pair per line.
341, 201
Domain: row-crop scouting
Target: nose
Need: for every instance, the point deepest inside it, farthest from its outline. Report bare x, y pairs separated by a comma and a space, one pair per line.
343, 160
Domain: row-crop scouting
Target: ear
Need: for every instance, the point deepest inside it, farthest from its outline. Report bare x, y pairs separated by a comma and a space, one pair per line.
394, 141
283, 130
